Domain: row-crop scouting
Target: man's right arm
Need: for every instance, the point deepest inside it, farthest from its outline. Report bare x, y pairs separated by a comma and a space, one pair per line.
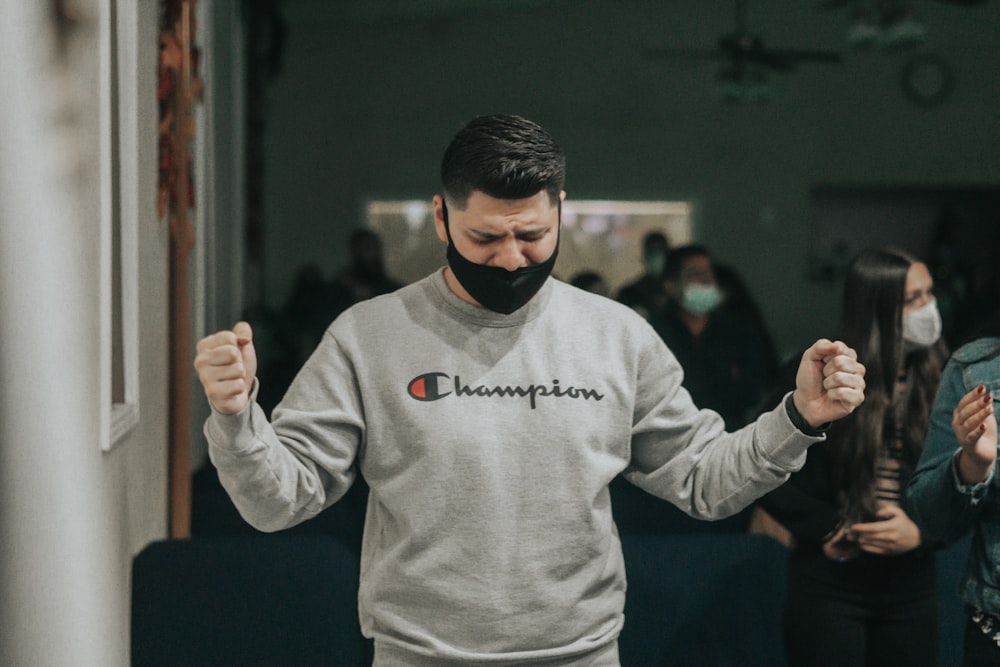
280, 475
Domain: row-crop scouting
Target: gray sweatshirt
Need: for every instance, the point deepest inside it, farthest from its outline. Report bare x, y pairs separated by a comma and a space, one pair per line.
488, 442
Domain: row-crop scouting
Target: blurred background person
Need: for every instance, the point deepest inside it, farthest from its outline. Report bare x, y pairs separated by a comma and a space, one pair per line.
721, 353
366, 276
737, 300
647, 293
861, 582
297, 329
591, 281
721, 357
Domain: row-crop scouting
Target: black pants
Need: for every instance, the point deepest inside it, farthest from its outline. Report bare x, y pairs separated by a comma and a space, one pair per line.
981, 650
826, 627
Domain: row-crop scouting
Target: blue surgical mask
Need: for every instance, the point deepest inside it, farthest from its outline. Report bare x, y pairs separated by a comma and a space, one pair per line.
700, 299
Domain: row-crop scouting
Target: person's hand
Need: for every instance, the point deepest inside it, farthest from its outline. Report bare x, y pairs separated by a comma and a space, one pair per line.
830, 382
892, 533
841, 546
975, 427
227, 364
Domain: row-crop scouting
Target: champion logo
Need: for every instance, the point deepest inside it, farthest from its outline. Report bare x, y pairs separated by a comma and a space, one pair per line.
425, 387
437, 385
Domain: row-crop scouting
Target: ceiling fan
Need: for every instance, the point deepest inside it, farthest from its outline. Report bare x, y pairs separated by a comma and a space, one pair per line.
891, 24
742, 52
837, 4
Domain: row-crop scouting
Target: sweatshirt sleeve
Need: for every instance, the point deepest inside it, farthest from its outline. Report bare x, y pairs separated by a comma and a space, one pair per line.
684, 455
282, 473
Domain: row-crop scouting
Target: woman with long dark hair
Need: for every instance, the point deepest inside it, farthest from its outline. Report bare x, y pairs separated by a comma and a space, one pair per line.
861, 587
956, 490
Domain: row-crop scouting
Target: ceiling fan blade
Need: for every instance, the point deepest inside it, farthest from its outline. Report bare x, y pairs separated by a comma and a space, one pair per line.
807, 55
749, 48
781, 60
743, 49
682, 54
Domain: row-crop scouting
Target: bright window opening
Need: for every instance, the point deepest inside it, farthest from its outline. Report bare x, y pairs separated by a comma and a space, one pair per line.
597, 235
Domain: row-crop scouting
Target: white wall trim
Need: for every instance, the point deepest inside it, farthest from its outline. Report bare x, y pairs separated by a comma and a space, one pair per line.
120, 206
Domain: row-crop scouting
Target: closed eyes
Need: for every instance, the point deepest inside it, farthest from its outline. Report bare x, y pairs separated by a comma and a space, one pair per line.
528, 237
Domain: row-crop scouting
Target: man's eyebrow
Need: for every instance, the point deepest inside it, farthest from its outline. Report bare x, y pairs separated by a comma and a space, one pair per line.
484, 234
530, 231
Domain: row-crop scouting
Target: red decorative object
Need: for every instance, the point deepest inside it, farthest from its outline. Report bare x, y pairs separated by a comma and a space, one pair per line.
177, 88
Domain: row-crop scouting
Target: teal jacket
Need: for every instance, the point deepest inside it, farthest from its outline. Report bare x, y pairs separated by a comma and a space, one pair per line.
942, 506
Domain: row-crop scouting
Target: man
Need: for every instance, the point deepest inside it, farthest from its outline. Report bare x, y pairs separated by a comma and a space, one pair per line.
488, 406
721, 354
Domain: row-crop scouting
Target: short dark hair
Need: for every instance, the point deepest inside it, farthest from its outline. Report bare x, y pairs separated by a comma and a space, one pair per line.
586, 280
362, 235
655, 240
503, 156
677, 256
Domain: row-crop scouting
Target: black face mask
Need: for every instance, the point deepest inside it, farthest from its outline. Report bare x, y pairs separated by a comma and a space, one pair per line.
495, 287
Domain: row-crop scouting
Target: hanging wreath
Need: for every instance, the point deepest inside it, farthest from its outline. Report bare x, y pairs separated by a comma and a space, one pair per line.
178, 87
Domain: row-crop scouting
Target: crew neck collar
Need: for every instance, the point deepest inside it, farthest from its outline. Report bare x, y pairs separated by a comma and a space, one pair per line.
484, 316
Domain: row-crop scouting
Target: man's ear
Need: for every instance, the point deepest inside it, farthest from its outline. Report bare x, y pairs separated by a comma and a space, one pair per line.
442, 233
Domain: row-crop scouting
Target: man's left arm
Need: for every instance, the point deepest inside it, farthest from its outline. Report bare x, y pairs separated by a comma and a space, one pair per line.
684, 455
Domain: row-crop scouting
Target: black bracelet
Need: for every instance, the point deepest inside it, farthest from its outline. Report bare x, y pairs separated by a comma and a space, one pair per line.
799, 422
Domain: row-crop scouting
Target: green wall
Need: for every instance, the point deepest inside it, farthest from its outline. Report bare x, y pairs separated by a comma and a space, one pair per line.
365, 104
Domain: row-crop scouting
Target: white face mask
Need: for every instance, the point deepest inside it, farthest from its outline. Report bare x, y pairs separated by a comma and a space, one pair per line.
922, 327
